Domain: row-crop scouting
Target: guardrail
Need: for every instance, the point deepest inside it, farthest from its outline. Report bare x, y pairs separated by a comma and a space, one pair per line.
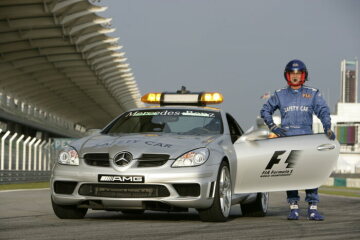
9, 177
24, 110
23, 158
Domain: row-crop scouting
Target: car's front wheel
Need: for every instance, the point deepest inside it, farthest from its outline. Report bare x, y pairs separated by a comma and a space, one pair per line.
68, 211
220, 209
258, 208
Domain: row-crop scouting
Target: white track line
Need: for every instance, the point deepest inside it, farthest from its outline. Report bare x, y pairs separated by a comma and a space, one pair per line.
20, 190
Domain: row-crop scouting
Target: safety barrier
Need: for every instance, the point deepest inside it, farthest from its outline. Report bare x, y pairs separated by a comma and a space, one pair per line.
13, 176
22, 156
24, 110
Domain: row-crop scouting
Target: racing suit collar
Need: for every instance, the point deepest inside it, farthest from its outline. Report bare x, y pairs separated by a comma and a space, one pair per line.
294, 91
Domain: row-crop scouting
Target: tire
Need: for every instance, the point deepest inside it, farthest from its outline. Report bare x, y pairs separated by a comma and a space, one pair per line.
219, 211
68, 211
258, 208
133, 211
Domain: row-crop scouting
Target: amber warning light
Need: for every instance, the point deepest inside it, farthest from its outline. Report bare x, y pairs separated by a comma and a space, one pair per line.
183, 97
151, 98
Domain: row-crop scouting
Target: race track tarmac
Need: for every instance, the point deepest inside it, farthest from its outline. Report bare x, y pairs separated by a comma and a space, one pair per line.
28, 215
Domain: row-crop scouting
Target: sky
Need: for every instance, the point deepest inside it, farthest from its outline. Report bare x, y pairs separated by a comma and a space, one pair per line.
236, 47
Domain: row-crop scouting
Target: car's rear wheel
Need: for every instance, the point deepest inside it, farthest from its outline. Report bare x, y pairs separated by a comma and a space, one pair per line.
219, 211
68, 211
258, 208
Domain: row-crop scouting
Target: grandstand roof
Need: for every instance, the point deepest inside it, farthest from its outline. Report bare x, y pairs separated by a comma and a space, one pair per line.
56, 55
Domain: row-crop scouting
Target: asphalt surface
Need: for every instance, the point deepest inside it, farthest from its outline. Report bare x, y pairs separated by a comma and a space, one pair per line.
28, 215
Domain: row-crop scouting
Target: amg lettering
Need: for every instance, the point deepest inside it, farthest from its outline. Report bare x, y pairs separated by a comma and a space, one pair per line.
126, 179
106, 178
121, 179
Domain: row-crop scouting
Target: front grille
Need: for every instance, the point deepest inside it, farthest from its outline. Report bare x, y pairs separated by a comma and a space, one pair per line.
187, 189
124, 190
97, 159
151, 163
149, 156
64, 187
152, 160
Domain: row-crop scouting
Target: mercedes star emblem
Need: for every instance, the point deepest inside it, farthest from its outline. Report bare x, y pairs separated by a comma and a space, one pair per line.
122, 159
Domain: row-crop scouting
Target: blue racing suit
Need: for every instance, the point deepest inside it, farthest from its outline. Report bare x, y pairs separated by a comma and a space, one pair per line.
296, 109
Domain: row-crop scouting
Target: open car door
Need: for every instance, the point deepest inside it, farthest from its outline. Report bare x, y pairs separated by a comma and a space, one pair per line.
285, 163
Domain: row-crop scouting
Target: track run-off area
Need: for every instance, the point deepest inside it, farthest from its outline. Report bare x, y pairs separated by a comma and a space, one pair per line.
27, 214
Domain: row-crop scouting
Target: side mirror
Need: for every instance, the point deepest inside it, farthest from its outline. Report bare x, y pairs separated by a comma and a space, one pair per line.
253, 135
92, 132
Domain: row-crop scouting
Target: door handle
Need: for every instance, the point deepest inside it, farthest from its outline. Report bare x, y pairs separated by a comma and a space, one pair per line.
325, 147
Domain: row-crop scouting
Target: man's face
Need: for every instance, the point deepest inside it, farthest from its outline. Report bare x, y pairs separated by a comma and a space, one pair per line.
295, 77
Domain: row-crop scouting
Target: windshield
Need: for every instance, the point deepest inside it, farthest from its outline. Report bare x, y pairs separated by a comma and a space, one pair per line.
179, 121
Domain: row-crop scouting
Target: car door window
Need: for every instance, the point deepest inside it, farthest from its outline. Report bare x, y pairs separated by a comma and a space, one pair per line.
234, 128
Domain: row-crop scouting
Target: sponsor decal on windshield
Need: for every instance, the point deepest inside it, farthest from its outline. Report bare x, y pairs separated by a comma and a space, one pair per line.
198, 114
276, 160
171, 113
153, 113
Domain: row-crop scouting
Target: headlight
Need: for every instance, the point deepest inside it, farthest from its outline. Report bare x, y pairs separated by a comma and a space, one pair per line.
193, 158
68, 156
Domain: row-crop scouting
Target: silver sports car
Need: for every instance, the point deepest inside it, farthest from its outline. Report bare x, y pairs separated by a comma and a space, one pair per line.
183, 155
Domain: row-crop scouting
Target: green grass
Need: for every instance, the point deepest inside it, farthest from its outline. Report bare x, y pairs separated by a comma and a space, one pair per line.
24, 186
338, 187
340, 191
346, 194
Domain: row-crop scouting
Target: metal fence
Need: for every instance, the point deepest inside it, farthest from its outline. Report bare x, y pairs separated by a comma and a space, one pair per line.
24, 159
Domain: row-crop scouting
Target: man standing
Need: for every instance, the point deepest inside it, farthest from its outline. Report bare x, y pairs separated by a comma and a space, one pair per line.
296, 104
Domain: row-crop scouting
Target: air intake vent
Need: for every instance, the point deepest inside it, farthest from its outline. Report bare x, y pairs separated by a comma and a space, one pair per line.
124, 190
187, 189
64, 187
97, 159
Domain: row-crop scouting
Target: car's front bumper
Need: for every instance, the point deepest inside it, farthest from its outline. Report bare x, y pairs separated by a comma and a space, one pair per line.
205, 176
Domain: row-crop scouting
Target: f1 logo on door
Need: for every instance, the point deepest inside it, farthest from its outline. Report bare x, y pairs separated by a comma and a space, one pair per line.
276, 159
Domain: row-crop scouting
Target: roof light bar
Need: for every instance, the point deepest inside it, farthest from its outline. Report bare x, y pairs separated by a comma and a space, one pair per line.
212, 98
183, 97
151, 98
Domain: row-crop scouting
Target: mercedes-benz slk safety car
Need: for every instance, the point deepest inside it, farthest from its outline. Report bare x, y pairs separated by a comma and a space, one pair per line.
183, 154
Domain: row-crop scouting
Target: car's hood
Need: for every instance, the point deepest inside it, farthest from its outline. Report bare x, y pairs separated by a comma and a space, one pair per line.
172, 144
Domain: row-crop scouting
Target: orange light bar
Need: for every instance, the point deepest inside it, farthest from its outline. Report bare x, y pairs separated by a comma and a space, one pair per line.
191, 99
212, 98
151, 98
